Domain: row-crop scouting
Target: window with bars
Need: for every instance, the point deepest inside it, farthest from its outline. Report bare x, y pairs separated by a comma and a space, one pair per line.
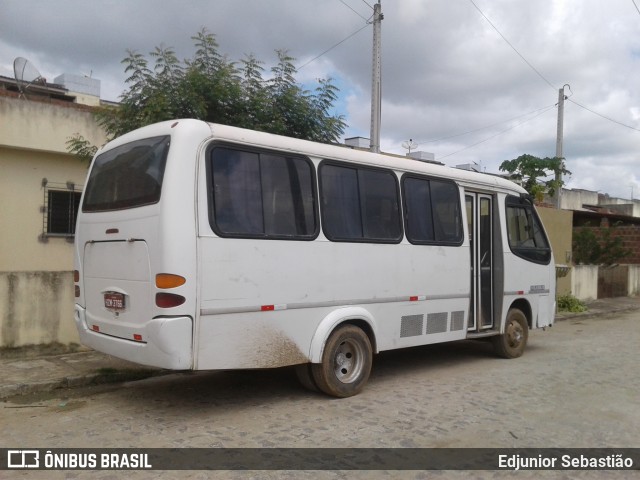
61, 203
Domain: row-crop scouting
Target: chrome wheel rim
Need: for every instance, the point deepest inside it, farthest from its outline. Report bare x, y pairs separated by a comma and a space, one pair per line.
515, 334
348, 361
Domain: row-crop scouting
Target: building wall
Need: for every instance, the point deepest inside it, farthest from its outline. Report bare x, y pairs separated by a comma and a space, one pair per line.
558, 225
584, 282
630, 236
45, 126
634, 280
21, 200
36, 308
36, 285
623, 206
575, 199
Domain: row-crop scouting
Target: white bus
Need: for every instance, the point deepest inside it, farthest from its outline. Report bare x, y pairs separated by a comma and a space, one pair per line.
201, 246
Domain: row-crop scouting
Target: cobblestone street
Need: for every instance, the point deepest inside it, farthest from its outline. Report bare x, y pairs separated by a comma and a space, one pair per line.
576, 386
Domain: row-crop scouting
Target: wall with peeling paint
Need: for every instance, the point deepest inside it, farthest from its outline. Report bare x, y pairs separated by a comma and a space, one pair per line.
36, 283
36, 308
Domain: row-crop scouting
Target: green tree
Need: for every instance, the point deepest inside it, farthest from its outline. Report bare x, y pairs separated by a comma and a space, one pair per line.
531, 172
210, 87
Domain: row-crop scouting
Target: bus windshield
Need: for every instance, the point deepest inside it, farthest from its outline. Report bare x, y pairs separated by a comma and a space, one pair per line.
128, 176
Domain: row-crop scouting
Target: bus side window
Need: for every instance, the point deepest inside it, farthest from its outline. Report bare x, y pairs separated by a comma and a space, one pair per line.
340, 202
262, 195
432, 211
360, 204
445, 199
237, 192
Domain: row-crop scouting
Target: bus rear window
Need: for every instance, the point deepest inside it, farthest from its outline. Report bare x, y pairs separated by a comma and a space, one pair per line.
128, 176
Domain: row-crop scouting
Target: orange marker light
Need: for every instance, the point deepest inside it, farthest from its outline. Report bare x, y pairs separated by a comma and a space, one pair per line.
168, 280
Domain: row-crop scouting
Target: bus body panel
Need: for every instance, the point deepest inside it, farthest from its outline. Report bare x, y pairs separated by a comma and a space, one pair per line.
537, 287
255, 290
168, 342
262, 303
121, 252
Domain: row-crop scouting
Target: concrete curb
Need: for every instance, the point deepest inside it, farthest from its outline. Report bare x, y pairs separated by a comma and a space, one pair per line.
594, 310
590, 314
76, 381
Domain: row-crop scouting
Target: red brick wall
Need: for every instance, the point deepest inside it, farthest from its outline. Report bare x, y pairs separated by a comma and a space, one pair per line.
630, 240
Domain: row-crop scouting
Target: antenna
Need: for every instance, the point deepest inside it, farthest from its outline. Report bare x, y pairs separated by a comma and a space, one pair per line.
26, 74
409, 145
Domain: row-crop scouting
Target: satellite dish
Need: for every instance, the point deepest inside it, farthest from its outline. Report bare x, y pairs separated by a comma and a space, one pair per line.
26, 74
409, 145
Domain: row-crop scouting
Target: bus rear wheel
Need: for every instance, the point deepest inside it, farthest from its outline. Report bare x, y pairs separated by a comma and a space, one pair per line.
346, 363
512, 342
305, 377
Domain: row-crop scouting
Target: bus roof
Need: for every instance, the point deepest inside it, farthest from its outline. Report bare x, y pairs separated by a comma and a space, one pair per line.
343, 152
317, 150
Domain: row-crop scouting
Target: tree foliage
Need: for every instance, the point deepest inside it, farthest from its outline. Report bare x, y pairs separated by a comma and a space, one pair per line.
531, 172
213, 88
81, 147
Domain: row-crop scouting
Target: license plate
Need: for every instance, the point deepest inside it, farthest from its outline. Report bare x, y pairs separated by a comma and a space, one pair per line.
114, 301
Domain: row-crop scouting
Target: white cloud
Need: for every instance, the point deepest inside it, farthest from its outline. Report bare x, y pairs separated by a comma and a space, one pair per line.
446, 70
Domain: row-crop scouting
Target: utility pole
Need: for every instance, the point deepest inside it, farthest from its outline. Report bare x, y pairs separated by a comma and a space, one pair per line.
376, 80
561, 99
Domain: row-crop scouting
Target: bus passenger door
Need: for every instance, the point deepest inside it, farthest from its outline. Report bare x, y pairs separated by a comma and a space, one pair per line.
480, 223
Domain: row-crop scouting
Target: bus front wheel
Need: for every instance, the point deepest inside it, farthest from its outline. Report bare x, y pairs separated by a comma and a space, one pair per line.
512, 342
346, 362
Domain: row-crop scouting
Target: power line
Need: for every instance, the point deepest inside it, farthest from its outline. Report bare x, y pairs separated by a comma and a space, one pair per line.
353, 10
334, 46
495, 135
543, 77
512, 47
548, 107
367, 4
604, 116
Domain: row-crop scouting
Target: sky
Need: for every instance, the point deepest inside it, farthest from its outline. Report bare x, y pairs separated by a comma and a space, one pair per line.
471, 81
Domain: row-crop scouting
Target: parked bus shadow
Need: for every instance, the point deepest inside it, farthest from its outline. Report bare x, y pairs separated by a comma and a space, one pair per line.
237, 389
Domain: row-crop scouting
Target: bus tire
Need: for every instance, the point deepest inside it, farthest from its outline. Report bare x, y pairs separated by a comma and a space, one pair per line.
512, 342
305, 377
346, 362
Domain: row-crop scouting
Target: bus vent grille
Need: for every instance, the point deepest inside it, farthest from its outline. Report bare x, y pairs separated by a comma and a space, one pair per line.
437, 322
457, 320
411, 325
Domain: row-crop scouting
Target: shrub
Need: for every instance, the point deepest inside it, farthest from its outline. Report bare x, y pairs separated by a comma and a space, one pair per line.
569, 303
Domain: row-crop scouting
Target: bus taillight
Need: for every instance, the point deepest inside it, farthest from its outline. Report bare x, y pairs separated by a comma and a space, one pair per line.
167, 281
169, 300
76, 279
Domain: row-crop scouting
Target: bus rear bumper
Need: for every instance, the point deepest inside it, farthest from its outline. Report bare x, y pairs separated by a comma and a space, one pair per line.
167, 342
